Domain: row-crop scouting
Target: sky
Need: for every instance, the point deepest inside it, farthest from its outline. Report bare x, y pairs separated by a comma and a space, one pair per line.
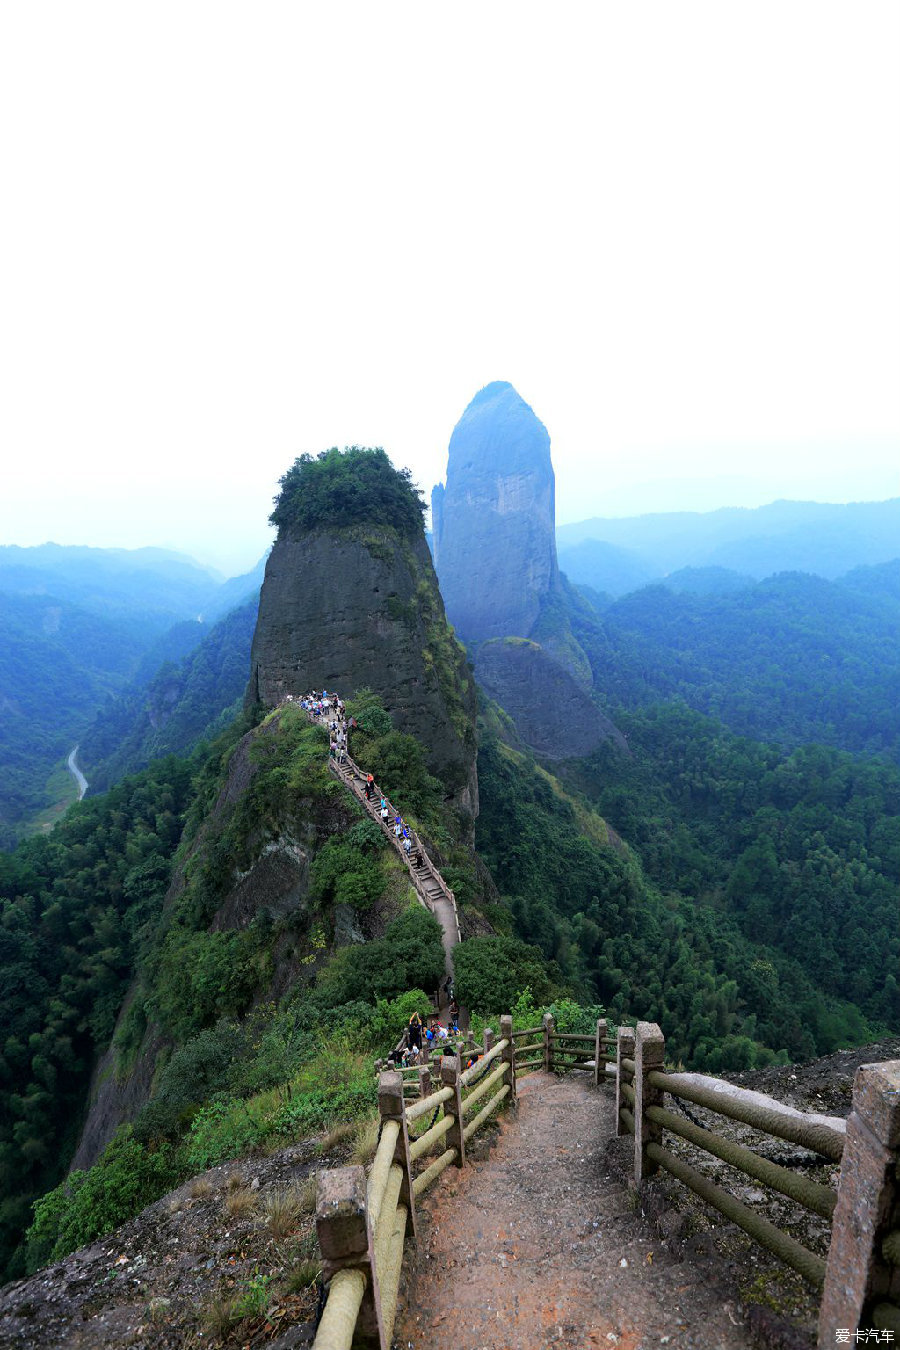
233, 234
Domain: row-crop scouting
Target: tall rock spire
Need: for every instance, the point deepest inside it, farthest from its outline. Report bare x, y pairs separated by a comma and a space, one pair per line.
494, 522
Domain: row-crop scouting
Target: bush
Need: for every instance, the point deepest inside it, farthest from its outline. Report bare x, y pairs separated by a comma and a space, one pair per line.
204, 976
344, 871
87, 1205
197, 1070
356, 486
409, 956
490, 972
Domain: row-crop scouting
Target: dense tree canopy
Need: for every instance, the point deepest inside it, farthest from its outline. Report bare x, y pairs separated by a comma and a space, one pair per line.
355, 486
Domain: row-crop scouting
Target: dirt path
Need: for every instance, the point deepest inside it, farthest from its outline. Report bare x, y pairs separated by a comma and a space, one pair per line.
539, 1246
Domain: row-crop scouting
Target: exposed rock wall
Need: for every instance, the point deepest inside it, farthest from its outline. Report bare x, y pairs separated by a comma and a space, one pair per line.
495, 553
494, 523
552, 713
360, 608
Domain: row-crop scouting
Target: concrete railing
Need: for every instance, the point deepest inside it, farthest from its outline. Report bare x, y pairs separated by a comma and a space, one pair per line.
362, 1223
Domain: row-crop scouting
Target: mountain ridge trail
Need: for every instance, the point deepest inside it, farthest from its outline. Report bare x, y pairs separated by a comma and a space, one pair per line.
524, 1249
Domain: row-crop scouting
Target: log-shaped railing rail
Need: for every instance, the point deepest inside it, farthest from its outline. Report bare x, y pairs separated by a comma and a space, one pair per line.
860, 1278
362, 1224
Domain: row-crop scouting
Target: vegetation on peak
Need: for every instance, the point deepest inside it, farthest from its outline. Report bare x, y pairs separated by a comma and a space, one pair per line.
354, 486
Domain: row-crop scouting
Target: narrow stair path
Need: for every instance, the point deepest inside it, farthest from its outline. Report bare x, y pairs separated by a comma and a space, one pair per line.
433, 891
540, 1246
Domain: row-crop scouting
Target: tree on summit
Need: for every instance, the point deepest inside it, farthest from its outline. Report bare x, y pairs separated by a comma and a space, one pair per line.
354, 486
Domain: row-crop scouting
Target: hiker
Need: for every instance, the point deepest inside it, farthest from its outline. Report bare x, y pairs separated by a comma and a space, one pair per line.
420, 861
384, 810
398, 828
368, 790
407, 845
442, 1032
414, 1032
454, 1013
371, 781
332, 750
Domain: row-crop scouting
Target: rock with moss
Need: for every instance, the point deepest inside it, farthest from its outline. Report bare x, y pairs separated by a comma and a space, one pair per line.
350, 602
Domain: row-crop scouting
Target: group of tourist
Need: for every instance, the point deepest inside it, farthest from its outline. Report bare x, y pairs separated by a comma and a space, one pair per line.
319, 706
422, 1037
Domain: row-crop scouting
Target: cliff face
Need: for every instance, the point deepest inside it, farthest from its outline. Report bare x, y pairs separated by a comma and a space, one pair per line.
552, 713
494, 541
495, 554
359, 608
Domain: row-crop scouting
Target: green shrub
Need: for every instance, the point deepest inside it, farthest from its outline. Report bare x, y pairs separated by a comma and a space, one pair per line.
409, 956
344, 871
204, 976
490, 972
351, 487
224, 1129
87, 1205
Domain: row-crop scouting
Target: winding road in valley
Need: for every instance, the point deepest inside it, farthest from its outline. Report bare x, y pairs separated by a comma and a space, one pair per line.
76, 773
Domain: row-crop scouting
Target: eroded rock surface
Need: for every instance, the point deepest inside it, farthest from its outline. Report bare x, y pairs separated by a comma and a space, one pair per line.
360, 608
494, 523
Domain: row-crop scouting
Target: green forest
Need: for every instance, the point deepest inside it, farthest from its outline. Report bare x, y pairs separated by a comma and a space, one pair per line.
356, 486
792, 659
681, 880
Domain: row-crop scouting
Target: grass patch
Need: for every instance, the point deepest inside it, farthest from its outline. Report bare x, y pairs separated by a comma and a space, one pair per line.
241, 1202
340, 1133
283, 1211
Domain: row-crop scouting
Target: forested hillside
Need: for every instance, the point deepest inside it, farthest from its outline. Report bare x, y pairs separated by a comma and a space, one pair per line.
168, 713
793, 659
78, 627
702, 922
57, 664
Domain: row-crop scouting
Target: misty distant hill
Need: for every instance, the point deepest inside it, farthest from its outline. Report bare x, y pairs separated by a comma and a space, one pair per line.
793, 658
177, 707
77, 626
823, 539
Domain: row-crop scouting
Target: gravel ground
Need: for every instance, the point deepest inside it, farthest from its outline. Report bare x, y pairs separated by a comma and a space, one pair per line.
540, 1244
151, 1284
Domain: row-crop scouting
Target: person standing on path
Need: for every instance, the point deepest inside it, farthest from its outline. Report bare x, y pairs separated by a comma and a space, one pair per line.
414, 1032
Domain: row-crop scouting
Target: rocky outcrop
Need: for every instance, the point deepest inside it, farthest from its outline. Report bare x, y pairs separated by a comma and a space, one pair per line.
358, 608
494, 522
275, 880
552, 713
495, 553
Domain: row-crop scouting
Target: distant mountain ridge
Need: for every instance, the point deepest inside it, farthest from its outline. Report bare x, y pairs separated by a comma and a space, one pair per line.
609, 554
77, 626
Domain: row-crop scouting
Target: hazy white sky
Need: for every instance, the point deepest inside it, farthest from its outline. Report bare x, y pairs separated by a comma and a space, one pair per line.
232, 233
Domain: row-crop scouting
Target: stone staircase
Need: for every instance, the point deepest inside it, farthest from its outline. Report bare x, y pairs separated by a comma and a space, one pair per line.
430, 887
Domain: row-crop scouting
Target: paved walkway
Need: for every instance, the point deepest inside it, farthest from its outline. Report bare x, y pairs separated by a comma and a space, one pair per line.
539, 1246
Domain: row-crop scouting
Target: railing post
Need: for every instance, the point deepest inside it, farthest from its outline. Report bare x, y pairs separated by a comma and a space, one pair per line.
600, 1052
624, 1050
424, 1082
508, 1055
392, 1107
859, 1276
450, 1071
345, 1241
549, 1032
488, 1039
649, 1054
